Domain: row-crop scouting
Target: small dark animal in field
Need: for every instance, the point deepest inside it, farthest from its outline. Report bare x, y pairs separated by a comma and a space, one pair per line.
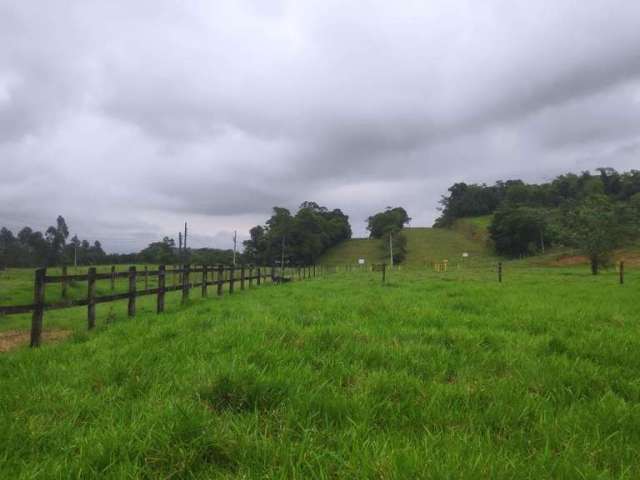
277, 279
111, 316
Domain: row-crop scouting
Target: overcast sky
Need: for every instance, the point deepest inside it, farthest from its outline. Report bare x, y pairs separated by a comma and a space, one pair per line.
130, 117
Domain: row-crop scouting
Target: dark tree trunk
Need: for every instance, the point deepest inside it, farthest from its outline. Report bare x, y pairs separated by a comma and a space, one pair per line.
594, 265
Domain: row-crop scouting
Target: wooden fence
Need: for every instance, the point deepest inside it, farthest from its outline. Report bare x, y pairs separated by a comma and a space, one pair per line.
217, 276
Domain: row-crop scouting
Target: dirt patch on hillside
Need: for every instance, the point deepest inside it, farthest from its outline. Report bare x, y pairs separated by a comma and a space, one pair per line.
571, 260
630, 259
13, 339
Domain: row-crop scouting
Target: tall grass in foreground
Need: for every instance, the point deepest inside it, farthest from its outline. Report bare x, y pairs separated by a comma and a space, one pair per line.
430, 376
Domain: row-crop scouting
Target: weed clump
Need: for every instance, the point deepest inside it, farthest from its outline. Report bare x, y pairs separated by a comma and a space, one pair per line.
244, 393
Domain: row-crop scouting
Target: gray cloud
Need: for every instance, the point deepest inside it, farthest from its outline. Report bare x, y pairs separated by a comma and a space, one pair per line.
130, 117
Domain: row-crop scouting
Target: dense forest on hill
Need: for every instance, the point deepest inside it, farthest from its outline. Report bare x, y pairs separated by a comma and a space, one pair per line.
471, 200
593, 212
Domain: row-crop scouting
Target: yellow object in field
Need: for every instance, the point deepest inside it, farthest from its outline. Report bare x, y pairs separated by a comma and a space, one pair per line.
441, 267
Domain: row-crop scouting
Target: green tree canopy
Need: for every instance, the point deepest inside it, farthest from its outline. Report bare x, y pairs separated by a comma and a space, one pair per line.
517, 230
305, 235
163, 252
597, 226
391, 220
470, 200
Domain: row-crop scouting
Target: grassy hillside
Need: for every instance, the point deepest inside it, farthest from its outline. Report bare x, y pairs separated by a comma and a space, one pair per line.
474, 228
430, 376
424, 245
350, 251
467, 235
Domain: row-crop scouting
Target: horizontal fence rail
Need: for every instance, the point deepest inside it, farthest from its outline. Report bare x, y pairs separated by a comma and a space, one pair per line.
184, 279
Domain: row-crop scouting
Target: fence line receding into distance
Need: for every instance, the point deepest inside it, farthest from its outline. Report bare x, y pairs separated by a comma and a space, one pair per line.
215, 275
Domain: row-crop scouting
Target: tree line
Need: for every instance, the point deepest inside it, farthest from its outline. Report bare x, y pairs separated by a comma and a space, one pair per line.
471, 200
298, 238
295, 239
32, 248
593, 212
301, 238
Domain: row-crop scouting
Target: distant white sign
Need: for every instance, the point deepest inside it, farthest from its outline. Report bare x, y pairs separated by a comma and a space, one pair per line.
361, 261
465, 254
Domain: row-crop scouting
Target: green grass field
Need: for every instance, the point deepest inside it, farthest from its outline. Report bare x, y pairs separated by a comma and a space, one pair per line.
431, 376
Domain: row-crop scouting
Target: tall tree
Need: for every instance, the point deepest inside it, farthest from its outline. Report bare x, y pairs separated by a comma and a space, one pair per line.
388, 226
256, 245
597, 226
56, 238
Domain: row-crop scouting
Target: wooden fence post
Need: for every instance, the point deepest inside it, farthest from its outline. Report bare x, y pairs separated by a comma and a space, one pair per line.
273, 272
258, 277
173, 275
64, 283
185, 283
232, 271
500, 272
38, 311
161, 286
250, 275
314, 270
621, 272
146, 277
133, 276
242, 277
205, 279
113, 278
220, 279
91, 298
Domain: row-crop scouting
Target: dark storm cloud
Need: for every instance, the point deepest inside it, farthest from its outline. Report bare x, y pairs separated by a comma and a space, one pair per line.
130, 117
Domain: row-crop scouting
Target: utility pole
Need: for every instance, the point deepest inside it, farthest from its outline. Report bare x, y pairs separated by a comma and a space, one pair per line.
75, 255
184, 250
180, 244
235, 246
185, 236
282, 260
391, 249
